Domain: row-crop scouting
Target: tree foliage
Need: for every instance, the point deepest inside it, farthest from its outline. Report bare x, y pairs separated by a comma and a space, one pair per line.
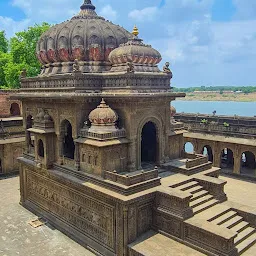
220, 89
20, 54
3, 42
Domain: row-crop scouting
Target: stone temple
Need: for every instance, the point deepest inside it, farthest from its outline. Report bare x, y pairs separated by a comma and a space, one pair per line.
104, 160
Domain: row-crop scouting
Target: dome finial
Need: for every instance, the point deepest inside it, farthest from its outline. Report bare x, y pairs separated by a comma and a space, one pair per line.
135, 31
87, 5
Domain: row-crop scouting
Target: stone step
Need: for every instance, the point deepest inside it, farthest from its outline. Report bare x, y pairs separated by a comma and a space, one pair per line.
246, 244
194, 189
244, 234
225, 217
201, 200
188, 185
205, 206
199, 194
232, 222
240, 226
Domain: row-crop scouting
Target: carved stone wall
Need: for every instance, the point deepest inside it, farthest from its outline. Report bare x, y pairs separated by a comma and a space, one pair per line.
9, 153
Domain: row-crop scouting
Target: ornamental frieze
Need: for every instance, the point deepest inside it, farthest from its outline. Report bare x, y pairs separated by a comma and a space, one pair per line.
90, 216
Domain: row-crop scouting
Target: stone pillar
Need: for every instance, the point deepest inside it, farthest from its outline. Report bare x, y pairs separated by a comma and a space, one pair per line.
77, 156
28, 141
216, 158
132, 157
237, 160
60, 149
125, 230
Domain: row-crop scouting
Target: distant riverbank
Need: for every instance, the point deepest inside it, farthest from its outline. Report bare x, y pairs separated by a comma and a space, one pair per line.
216, 96
229, 108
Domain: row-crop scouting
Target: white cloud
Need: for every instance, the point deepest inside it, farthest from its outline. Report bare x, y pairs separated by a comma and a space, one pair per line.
146, 14
108, 12
11, 27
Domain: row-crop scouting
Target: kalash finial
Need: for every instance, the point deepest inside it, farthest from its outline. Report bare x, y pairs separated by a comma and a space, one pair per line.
87, 5
135, 31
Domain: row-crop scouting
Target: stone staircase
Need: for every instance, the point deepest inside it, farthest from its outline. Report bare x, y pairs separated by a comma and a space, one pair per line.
246, 234
201, 198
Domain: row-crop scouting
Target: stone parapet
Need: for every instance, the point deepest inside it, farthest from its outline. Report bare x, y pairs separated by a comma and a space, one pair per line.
210, 237
129, 180
174, 203
214, 185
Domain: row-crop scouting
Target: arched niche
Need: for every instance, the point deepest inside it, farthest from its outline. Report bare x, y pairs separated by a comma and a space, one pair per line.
68, 145
40, 148
15, 109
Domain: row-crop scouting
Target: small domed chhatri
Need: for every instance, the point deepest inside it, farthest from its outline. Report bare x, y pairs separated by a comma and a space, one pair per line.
143, 57
103, 115
87, 37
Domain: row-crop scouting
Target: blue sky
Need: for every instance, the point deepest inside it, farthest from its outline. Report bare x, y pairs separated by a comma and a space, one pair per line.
207, 42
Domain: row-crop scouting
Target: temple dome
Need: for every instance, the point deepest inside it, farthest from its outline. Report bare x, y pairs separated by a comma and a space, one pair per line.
103, 115
87, 37
142, 56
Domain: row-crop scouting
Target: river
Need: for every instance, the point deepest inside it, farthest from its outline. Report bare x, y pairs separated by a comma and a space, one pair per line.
222, 107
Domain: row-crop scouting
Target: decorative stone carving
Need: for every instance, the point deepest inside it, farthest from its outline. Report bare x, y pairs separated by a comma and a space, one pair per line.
76, 68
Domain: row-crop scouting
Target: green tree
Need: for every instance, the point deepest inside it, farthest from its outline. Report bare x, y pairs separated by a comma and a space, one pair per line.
3, 42
22, 54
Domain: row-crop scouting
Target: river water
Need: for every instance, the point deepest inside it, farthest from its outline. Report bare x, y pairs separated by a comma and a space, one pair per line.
222, 107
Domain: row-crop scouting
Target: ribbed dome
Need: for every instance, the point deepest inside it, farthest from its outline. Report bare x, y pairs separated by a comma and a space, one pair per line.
86, 37
135, 52
103, 115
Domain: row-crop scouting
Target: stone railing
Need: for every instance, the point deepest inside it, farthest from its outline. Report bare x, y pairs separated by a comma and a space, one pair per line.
194, 160
173, 202
212, 238
103, 136
242, 126
129, 180
220, 128
215, 186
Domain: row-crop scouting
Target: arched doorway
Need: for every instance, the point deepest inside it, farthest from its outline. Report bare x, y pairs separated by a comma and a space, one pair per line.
248, 164
68, 142
149, 144
15, 109
227, 160
189, 148
207, 151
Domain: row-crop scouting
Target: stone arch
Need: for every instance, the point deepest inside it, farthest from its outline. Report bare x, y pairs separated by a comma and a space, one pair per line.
40, 148
15, 109
66, 133
159, 140
227, 159
189, 147
248, 164
207, 150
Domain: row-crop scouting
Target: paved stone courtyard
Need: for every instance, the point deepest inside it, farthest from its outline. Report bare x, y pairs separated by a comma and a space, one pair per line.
17, 237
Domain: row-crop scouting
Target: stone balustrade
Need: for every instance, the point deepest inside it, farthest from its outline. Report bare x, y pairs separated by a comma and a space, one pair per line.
235, 125
213, 238
173, 202
129, 180
214, 185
